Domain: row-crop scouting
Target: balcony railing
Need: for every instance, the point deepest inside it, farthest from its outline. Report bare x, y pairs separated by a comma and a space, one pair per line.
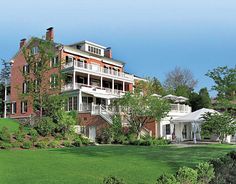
98, 69
69, 87
180, 108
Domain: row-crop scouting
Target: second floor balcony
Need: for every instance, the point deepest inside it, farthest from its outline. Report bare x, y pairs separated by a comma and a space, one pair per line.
97, 69
180, 108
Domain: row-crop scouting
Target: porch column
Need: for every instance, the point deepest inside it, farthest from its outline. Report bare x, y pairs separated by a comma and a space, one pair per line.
88, 79
101, 82
123, 86
73, 79
113, 85
80, 100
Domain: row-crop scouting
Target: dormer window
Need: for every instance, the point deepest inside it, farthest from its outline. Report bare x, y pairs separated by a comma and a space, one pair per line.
94, 50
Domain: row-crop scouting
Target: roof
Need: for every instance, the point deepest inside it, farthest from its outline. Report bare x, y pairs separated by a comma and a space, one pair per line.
88, 42
196, 116
88, 54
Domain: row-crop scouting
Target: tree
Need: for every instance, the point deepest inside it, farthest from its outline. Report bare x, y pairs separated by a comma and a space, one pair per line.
180, 77
151, 86
221, 125
139, 109
38, 56
4, 85
225, 85
200, 100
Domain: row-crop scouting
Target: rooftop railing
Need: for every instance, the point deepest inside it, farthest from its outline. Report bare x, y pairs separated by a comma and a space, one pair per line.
180, 108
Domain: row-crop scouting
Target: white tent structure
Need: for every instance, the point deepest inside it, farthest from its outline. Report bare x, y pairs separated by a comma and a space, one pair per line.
188, 127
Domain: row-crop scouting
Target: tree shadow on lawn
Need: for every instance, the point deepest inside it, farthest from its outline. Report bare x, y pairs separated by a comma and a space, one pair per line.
170, 155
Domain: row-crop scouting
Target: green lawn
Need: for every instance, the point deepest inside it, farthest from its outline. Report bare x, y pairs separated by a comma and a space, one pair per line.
90, 164
9, 123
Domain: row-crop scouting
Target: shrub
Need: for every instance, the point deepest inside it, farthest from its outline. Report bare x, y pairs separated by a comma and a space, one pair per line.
132, 138
20, 135
85, 140
34, 135
67, 143
16, 144
205, 173
45, 126
5, 145
121, 139
186, 175
42, 144
78, 142
27, 145
113, 180
59, 136
54, 144
167, 179
106, 136
224, 168
161, 141
5, 134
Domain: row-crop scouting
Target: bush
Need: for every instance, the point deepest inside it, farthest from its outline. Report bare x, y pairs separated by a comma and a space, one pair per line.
85, 140
167, 179
33, 135
5, 145
42, 144
67, 143
54, 144
20, 135
106, 136
45, 126
16, 144
224, 168
161, 141
132, 138
78, 142
59, 136
27, 145
113, 180
186, 175
205, 173
121, 139
5, 135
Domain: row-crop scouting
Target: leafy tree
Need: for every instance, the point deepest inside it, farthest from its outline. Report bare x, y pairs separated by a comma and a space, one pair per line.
4, 80
151, 86
180, 77
225, 85
221, 125
37, 75
200, 100
139, 109
183, 91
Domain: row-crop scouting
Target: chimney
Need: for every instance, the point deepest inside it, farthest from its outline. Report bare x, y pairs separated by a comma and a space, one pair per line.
108, 52
50, 34
22, 42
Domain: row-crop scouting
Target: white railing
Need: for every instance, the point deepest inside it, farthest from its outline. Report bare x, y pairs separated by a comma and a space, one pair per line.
180, 108
98, 69
100, 110
69, 87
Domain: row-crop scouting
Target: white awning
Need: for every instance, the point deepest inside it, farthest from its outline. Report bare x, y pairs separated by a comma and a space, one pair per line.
195, 116
100, 95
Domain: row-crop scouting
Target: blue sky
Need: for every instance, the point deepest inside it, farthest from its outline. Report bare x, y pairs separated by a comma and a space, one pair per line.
151, 36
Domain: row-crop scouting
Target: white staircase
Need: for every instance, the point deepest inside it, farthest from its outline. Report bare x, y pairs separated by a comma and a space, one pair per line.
103, 112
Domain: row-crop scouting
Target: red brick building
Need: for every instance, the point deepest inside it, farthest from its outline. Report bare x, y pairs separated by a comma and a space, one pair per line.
94, 79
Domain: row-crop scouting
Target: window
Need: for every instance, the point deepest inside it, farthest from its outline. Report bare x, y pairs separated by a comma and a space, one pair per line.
26, 69
25, 87
70, 103
54, 80
75, 103
89, 48
168, 129
184, 132
36, 85
24, 107
54, 61
13, 107
34, 50
69, 59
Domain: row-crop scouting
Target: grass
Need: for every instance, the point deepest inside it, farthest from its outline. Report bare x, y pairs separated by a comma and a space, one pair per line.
91, 164
9, 123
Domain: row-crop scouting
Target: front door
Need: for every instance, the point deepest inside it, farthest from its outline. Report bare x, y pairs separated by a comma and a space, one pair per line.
92, 133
